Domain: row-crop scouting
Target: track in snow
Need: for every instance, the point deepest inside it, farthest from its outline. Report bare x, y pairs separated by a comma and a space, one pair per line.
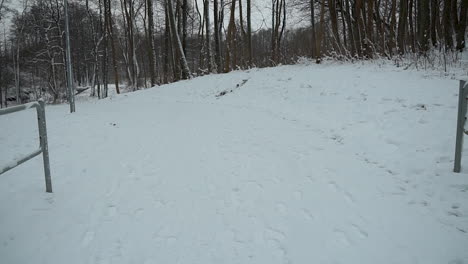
295, 166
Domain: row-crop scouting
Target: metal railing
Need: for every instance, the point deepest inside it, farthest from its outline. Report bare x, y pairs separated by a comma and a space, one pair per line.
43, 147
461, 120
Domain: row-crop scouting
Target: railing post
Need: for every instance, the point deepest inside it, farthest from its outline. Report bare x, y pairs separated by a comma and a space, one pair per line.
462, 105
41, 121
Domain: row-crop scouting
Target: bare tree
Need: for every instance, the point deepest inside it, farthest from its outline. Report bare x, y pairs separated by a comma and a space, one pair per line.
3, 8
278, 24
249, 31
151, 49
461, 27
186, 74
206, 13
110, 32
402, 26
424, 24
448, 27
334, 21
217, 35
230, 40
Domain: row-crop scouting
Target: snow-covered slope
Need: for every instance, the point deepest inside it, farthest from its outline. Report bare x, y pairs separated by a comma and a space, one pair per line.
298, 164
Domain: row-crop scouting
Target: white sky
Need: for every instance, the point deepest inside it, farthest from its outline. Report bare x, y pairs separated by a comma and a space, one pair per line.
261, 14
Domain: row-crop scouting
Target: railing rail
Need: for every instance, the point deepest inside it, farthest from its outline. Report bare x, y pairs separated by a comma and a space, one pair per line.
43, 145
461, 120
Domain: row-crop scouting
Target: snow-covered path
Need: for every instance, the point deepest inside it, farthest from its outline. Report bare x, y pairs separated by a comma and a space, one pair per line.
298, 164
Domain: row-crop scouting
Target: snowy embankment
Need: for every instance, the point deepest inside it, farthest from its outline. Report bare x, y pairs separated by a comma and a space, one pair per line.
298, 164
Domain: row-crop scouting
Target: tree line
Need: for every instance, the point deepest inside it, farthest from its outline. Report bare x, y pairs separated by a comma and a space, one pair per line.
134, 44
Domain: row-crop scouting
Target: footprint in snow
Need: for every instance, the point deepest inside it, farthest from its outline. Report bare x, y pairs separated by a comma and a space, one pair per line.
342, 237
443, 159
170, 241
281, 208
349, 197
455, 213
337, 138
360, 232
139, 213
298, 195
87, 238
461, 187
333, 186
111, 211
307, 215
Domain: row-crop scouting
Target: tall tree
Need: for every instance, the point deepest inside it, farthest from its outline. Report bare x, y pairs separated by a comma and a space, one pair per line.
151, 49
350, 27
402, 26
434, 21
278, 24
424, 24
334, 21
249, 31
320, 33
110, 32
184, 9
186, 74
461, 27
447, 21
312, 25
131, 61
206, 13
230, 40
393, 19
370, 26
243, 34
3, 8
412, 38
217, 36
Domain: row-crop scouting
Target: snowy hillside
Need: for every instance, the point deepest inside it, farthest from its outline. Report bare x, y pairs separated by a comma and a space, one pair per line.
295, 164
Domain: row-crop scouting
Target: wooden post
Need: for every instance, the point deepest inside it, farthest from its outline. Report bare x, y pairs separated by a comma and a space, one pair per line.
462, 105
43, 143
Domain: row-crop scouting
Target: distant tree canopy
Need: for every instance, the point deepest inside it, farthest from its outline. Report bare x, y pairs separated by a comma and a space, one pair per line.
141, 43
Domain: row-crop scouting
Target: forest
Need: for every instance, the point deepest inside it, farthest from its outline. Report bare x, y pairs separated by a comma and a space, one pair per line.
129, 45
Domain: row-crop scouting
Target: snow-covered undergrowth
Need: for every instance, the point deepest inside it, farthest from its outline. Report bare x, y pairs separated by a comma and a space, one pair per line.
295, 164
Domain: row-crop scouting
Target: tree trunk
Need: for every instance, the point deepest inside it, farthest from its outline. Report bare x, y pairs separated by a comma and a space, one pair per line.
462, 26
178, 45
114, 51
411, 26
17, 75
230, 42
184, 25
380, 29
312, 24
392, 40
129, 25
350, 28
370, 28
320, 33
167, 36
104, 57
278, 25
249, 31
334, 23
424, 24
217, 37
243, 34
448, 29
206, 12
434, 21
358, 29
402, 26
151, 49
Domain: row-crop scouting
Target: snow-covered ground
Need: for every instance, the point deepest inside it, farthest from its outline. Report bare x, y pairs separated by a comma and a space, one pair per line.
298, 164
